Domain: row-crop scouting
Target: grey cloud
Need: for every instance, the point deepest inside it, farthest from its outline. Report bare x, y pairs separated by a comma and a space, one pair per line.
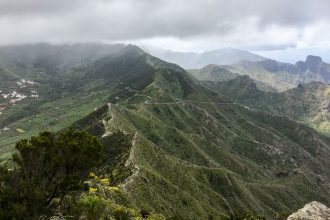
36, 7
120, 20
271, 47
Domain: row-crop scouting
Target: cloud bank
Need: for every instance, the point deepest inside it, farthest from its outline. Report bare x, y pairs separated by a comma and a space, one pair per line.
177, 24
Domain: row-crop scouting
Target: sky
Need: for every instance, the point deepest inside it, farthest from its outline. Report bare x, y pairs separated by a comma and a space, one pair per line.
286, 30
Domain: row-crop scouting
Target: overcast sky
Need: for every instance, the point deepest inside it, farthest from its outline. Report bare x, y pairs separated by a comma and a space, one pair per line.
276, 28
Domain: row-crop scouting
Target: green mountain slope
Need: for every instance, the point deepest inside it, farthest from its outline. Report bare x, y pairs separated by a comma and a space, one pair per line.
185, 151
216, 73
214, 173
307, 102
207, 154
43, 87
213, 73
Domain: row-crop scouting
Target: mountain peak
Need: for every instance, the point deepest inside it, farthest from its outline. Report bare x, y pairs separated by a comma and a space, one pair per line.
133, 50
314, 64
313, 59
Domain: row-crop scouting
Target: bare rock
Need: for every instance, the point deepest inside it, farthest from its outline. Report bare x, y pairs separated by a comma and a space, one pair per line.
312, 211
326, 105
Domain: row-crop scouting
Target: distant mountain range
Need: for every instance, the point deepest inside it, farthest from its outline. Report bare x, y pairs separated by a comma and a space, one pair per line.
274, 74
190, 60
232, 62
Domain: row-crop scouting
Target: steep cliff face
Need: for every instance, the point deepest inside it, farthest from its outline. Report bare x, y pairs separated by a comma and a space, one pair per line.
311, 211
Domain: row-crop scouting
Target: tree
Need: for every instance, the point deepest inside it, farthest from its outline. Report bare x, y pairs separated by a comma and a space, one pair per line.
46, 167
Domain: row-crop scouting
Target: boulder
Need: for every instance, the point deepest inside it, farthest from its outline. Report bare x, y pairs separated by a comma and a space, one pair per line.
312, 211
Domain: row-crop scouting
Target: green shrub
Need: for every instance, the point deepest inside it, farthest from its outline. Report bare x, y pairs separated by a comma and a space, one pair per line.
46, 167
93, 205
122, 214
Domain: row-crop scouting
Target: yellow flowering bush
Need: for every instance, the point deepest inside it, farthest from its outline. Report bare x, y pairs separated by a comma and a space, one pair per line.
105, 181
114, 188
92, 175
91, 189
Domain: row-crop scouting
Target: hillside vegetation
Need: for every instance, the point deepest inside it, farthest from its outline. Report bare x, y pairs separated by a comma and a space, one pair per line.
308, 103
173, 148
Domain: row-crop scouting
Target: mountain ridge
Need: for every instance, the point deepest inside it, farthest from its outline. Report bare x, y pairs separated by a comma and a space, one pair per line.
175, 147
272, 74
191, 60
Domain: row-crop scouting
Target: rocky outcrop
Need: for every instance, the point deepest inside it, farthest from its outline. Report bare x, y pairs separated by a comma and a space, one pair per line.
312, 211
326, 105
312, 65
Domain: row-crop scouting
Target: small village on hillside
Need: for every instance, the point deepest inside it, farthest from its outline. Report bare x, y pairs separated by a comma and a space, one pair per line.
14, 93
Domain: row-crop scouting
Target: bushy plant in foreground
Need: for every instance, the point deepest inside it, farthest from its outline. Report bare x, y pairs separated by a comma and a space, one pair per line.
46, 167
